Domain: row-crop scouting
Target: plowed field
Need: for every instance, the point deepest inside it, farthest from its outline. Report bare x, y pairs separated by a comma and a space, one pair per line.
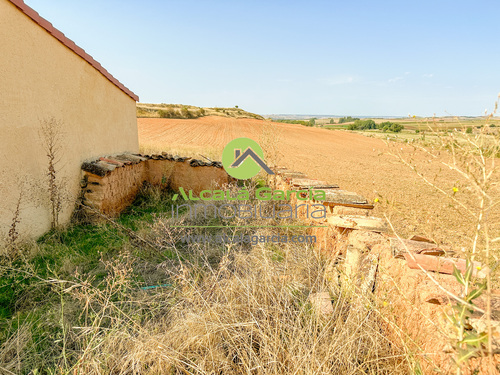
355, 162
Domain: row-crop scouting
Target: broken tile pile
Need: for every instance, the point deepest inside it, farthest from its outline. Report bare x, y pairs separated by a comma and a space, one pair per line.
409, 280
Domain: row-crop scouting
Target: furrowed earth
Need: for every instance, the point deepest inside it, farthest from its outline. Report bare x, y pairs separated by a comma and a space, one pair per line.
355, 162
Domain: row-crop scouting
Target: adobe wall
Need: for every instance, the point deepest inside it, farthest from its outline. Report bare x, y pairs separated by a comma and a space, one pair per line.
41, 78
110, 184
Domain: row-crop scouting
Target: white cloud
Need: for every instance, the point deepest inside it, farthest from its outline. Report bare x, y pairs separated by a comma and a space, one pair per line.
429, 75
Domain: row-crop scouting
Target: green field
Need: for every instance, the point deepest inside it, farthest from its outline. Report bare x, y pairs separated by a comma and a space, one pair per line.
424, 123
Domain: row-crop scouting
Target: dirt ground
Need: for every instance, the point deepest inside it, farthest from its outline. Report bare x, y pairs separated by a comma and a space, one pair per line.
355, 162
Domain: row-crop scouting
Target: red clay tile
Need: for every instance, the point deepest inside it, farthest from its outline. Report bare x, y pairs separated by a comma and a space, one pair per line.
443, 265
111, 161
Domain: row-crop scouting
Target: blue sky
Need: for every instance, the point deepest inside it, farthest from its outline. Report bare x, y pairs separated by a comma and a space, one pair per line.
296, 57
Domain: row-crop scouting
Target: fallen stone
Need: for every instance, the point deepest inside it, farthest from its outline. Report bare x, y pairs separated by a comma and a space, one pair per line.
482, 302
481, 326
343, 197
367, 273
438, 299
365, 240
352, 261
421, 239
401, 246
289, 175
343, 210
359, 222
285, 172
321, 303
306, 183
362, 284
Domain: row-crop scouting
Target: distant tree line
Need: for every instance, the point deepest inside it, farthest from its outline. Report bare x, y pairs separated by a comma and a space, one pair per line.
347, 119
311, 122
386, 126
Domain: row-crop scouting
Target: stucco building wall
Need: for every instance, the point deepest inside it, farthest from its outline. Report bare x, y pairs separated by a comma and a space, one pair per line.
41, 78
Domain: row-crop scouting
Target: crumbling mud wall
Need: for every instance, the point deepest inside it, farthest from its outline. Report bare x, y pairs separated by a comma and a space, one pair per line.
110, 184
408, 281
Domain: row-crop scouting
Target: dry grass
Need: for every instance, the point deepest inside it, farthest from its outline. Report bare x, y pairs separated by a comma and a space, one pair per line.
227, 309
247, 315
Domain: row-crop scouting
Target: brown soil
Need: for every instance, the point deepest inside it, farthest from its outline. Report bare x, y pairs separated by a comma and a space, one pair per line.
355, 162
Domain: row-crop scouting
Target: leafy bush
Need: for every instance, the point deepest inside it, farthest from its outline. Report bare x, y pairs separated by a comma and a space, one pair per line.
298, 122
186, 113
169, 112
362, 125
388, 126
347, 119
468, 130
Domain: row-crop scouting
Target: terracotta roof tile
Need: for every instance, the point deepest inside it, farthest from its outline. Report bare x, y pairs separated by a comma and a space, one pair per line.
71, 45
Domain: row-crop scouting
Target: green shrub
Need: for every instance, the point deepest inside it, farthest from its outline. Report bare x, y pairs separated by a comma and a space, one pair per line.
298, 122
388, 126
362, 125
468, 130
186, 113
169, 112
347, 119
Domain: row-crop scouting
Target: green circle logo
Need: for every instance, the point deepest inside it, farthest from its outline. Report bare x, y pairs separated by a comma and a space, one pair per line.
243, 158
